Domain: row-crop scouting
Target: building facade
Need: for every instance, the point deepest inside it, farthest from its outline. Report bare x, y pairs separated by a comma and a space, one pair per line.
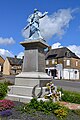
12, 66
1, 64
61, 63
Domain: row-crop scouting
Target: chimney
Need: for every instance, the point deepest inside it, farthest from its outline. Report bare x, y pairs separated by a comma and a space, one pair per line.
15, 56
49, 48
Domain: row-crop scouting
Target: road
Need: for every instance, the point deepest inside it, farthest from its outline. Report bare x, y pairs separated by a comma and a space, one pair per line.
68, 85
10, 78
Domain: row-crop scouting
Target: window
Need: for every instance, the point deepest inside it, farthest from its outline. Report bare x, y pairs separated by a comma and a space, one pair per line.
53, 61
75, 72
67, 54
76, 63
68, 62
19, 67
47, 62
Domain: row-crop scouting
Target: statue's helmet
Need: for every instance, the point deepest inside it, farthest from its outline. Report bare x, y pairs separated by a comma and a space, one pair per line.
35, 10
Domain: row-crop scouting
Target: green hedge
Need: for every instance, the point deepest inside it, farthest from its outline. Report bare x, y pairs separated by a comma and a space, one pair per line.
3, 90
72, 97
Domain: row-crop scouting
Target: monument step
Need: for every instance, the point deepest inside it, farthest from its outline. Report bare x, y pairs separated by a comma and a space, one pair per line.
25, 90
20, 98
34, 75
32, 78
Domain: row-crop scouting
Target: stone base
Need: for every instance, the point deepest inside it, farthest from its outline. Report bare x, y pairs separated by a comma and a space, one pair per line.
23, 93
24, 84
32, 78
24, 99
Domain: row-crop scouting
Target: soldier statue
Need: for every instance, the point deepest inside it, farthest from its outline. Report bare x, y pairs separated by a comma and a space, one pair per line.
34, 24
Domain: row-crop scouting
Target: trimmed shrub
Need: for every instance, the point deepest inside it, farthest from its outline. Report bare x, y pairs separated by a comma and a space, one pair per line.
3, 90
46, 107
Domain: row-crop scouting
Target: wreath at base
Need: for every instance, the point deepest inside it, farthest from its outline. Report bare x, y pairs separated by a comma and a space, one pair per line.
39, 94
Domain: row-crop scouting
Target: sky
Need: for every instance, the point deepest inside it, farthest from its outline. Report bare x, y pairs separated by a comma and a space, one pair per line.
60, 27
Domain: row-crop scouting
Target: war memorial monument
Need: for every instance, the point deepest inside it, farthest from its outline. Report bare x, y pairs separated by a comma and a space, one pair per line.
33, 72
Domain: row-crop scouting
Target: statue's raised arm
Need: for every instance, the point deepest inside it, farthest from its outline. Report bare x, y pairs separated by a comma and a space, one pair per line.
34, 24
44, 14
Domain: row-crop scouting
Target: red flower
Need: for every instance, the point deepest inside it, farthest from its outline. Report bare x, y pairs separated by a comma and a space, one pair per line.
6, 104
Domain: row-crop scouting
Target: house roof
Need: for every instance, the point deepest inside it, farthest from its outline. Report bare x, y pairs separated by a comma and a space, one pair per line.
15, 61
60, 53
1, 60
2, 57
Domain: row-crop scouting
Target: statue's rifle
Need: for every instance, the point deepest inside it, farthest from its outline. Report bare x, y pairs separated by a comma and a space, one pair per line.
28, 26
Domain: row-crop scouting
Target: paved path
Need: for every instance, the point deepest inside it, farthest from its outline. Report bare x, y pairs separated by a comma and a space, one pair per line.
71, 106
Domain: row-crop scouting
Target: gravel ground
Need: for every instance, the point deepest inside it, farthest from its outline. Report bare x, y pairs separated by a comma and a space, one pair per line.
17, 115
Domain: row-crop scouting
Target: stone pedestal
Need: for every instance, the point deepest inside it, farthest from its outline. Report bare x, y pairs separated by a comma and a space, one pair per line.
34, 58
33, 72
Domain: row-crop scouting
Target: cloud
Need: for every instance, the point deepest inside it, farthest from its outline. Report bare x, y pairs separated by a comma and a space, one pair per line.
55, 24
74, 48
20, 55
56, 45
5, 53
6, 41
